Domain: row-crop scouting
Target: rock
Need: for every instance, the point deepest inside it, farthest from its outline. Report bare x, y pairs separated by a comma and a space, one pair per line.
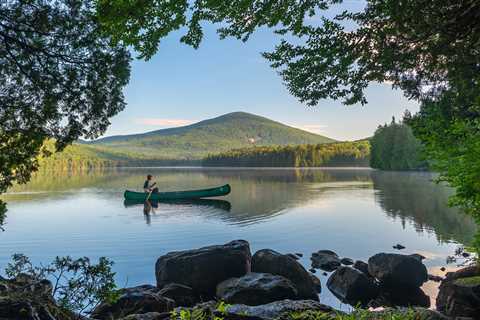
256, 288
465, 254
326, 260
362, 266
316, 283
293, 256
27, 298
312, 270
398, 297
443, 269
148, 316
418, 256
398, 247
434, 278
203, 269
352, 286
418, 314
298, 254
346, 261
459, 294
136, 300
325, 274
181, 294
275, 309
397, 270
207, 310
269, 261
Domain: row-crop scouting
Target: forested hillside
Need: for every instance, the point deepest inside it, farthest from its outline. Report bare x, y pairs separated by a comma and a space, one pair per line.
394, 147
310, 155
230, 131
80, 157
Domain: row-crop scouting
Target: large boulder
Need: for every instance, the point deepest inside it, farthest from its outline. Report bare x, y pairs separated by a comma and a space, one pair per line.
276, 309
270, 261
459, 294
352, 286
181, 294
203, 269
326, 260
148, 316
397, 270
136, 300
361, 266
400, 297
256, 288
316, 282
27, 298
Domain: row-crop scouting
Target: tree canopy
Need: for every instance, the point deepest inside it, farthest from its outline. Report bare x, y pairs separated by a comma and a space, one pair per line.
60, 78
341, 154
394, 147
430, 49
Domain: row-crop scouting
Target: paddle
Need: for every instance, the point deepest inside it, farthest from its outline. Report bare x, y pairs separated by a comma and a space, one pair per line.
149, 194
151, 190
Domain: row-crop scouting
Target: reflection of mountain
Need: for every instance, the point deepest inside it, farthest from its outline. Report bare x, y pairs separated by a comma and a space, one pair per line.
413, 197
259, 194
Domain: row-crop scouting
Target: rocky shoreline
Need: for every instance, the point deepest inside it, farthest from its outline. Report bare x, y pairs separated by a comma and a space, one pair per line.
228, 282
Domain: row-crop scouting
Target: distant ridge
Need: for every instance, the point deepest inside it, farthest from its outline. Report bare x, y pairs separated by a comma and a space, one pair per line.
226, 132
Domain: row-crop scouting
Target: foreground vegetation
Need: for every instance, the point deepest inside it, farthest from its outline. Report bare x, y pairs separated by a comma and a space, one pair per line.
331, 154
69, 289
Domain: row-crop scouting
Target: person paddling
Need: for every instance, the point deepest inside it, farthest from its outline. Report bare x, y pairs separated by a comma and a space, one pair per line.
149, 185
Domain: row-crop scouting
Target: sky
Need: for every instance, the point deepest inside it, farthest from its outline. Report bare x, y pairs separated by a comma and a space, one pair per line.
181, 85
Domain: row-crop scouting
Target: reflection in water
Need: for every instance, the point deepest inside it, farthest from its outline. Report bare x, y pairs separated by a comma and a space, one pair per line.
355, 212
261, 194
150, 207
214, 203
413, 197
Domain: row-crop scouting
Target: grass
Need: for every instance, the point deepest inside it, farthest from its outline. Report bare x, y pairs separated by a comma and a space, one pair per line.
469, 281
359, 314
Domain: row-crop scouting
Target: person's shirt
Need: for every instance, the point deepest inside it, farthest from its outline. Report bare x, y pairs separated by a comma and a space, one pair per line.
146, 186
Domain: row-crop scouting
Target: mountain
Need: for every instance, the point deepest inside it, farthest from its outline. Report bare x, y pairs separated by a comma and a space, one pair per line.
230, 131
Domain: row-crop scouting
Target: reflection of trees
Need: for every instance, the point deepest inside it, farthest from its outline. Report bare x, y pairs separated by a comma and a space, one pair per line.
256, 195
3, 211
259, 194
413, 197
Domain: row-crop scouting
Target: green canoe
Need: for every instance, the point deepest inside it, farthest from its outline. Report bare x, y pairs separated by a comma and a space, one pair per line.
179, 195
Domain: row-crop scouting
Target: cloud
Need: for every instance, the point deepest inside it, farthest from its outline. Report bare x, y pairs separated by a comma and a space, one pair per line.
164, 122
314, 128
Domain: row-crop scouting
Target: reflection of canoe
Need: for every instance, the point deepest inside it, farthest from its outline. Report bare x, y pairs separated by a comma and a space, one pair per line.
214, 203
179, 195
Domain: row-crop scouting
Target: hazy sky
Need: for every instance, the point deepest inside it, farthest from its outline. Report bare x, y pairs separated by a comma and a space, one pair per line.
181, 85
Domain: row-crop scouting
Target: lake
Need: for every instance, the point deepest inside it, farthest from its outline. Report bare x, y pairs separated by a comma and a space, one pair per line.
355, 212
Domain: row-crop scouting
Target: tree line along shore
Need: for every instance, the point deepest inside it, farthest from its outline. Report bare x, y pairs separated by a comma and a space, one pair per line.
392, 147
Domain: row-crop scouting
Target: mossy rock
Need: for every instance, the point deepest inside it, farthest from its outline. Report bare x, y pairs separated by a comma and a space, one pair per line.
469, 281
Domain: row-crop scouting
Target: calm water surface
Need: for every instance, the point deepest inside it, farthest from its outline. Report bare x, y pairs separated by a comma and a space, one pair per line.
355, 212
